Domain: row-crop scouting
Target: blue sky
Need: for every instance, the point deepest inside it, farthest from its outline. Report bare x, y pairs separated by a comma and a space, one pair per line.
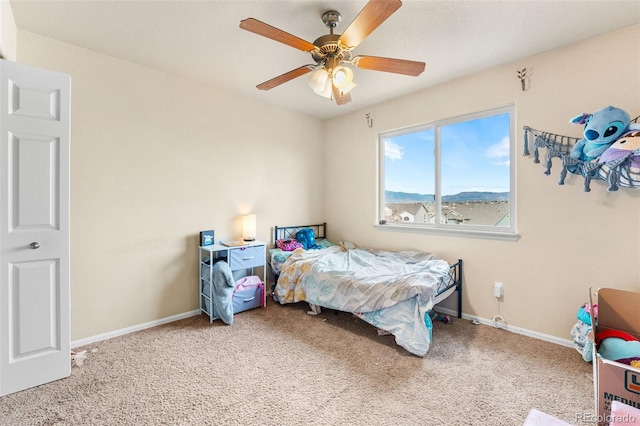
475, 157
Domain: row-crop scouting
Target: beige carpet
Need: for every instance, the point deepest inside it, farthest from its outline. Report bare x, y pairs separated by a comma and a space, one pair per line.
279, 366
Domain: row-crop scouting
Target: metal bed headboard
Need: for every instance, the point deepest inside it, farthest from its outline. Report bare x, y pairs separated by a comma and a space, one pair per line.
289, 232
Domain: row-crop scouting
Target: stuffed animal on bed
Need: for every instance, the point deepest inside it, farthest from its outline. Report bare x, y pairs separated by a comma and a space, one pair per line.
307, 238
601, 130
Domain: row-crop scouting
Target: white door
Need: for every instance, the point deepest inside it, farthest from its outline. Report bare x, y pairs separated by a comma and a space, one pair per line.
34, 227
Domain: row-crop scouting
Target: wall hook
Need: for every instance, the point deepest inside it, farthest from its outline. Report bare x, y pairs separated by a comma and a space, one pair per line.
522, 76
369, 120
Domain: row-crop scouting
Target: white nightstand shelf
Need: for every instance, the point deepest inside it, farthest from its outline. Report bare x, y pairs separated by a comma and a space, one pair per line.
243, 260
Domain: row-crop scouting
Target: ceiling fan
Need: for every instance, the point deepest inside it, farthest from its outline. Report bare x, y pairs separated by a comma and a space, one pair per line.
330, 78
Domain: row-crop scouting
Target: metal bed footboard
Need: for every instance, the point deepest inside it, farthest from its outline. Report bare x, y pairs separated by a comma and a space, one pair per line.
455, 272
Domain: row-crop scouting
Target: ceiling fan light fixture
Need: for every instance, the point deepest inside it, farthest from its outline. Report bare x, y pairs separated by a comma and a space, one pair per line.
318, 79
342, 77
329, 78
326, 90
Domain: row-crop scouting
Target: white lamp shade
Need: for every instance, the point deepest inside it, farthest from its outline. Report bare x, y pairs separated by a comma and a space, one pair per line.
326, 90
347, 88
249, 227
317, 79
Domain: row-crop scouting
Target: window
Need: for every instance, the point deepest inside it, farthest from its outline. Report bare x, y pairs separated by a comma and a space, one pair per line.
451, 176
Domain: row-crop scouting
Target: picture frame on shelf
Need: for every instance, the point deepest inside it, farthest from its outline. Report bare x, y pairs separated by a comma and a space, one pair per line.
207, 238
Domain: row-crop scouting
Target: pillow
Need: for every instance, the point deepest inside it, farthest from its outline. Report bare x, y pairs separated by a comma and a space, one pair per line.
278, 255
288, 245
323, 243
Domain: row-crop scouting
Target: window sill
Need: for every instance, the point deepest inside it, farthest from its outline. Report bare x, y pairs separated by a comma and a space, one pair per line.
463, 233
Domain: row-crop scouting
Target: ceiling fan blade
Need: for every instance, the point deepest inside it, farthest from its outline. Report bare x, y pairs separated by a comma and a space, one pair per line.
341, 99
370, 17
276, 34
277, 81
398, 66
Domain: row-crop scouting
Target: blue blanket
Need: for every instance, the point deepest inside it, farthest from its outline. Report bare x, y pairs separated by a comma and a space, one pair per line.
223, 284
393, 291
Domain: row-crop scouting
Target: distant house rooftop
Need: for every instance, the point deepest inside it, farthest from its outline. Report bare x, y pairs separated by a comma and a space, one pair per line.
491, 213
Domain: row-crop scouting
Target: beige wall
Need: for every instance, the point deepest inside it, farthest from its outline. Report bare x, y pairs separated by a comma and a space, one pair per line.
154, 160
7, 31
570, 240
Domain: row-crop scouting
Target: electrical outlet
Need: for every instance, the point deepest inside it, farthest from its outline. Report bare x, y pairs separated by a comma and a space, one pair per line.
498, 289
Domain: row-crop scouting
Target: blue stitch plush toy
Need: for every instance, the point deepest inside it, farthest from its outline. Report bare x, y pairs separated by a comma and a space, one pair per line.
601, 129
307, 238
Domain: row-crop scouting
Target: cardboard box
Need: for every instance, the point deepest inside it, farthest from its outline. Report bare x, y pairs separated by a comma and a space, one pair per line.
613, 381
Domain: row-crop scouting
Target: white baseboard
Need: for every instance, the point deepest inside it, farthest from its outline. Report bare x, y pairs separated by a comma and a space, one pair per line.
453, 313
518, 330
122, 331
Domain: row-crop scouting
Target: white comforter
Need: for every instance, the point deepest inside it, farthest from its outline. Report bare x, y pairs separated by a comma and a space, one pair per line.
393, 291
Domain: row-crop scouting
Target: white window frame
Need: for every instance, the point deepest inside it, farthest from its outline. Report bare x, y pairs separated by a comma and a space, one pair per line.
474, 231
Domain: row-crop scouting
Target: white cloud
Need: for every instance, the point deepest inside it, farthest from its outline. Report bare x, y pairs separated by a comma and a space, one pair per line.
500, 150
392, 150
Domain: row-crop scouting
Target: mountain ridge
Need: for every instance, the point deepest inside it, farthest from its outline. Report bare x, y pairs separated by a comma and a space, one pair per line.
465, 196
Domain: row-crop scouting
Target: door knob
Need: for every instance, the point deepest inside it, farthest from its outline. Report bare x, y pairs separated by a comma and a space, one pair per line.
34, 245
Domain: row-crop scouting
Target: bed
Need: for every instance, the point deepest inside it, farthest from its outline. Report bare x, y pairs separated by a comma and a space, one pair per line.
393, 291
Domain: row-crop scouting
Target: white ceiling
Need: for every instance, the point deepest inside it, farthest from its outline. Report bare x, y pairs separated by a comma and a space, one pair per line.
202, 41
